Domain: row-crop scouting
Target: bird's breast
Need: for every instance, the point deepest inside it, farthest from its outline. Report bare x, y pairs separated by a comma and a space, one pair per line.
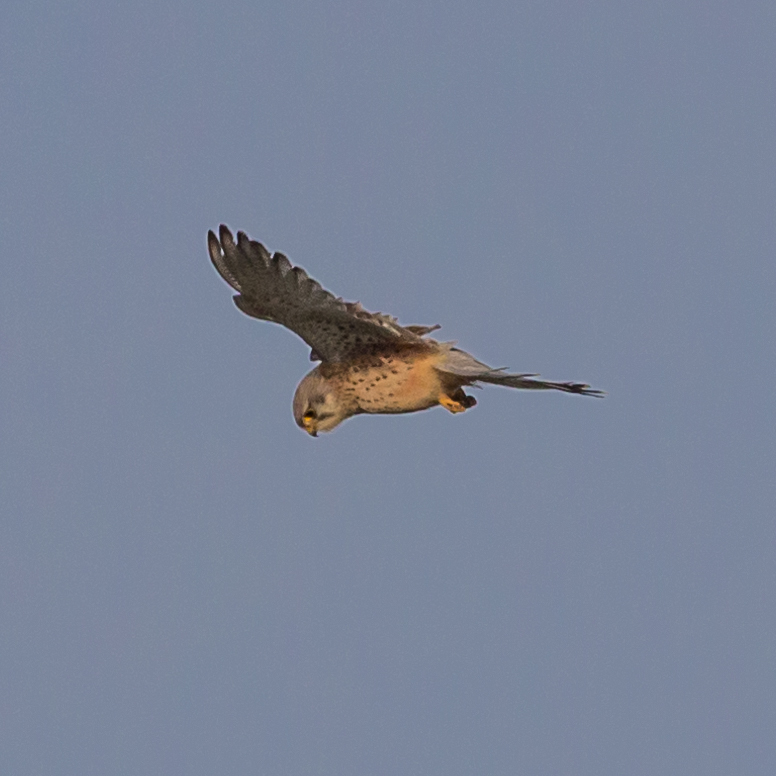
393, 384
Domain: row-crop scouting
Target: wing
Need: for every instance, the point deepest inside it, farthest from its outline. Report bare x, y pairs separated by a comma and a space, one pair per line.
271, 289
462, 364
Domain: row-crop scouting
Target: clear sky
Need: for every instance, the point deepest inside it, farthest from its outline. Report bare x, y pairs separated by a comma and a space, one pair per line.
546, 584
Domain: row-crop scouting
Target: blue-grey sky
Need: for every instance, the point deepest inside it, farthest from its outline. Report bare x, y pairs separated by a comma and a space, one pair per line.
546, 584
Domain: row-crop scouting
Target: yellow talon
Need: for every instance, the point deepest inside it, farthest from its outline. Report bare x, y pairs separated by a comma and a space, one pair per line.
451, 405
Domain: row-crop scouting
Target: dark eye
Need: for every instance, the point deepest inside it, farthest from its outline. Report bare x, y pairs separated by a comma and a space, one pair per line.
309, 415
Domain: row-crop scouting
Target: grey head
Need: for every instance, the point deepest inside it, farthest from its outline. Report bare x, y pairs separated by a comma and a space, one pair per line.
316, 405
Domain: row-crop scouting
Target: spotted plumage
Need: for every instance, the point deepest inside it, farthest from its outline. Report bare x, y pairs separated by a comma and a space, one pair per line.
369, 363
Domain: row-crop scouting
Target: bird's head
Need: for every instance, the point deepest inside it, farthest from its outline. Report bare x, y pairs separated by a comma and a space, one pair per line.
316, 405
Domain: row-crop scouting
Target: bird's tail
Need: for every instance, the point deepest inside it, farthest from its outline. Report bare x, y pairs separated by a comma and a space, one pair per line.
461, 364
527, 382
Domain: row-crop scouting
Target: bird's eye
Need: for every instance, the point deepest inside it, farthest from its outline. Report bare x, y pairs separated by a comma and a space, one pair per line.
309, 415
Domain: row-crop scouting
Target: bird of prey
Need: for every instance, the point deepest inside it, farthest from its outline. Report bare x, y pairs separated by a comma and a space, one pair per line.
369, 363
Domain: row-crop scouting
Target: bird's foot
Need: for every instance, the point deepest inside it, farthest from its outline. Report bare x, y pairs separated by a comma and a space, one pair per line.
458, 401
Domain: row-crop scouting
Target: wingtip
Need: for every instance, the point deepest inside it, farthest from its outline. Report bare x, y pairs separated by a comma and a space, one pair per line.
213, 246
225, 236
220, 250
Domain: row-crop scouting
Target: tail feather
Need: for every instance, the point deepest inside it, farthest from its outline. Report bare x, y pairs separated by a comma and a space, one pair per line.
525, 382
462, 364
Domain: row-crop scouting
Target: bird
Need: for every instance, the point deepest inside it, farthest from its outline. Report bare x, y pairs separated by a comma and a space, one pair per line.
369, 363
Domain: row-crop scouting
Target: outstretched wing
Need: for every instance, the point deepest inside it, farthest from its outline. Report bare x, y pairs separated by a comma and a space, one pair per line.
271, 289
462, 364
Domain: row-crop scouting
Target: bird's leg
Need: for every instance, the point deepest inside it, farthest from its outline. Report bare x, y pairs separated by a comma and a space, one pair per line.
457, 401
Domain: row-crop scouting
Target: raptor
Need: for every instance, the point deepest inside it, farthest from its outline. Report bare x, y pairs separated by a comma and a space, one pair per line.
369, 363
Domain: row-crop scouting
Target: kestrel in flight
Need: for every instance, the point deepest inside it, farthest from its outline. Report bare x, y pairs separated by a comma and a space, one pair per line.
369, 363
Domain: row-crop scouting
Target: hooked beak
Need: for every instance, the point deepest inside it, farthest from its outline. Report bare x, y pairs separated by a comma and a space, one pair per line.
309, 426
